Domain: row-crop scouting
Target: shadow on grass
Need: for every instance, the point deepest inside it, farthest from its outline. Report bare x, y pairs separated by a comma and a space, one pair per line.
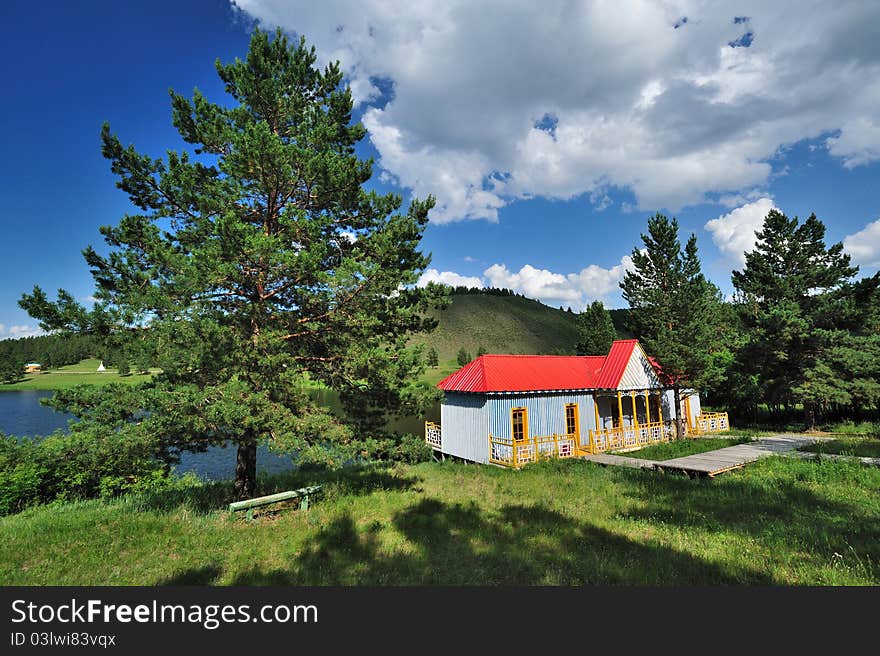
775, 510
460, 544
206, 575
213, 496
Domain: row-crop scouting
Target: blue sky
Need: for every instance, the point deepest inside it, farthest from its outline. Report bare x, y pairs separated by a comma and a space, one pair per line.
549, 134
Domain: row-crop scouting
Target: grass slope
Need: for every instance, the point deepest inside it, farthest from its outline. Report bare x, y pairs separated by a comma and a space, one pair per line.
778, 521
502, 324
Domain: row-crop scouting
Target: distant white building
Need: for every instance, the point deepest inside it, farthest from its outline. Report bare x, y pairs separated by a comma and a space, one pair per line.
101, 366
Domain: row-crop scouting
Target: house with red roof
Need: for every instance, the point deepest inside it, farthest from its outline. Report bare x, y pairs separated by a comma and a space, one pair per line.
514, 409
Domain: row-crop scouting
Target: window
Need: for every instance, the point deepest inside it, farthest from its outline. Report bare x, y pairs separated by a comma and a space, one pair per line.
571, 419
520, 423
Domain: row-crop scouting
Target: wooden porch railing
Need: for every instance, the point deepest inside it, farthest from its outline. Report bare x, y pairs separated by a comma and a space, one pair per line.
630, 437
711, 422
433, 435
516, 453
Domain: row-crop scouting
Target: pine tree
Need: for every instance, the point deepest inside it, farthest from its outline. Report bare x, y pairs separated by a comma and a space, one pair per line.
11, 371
258, 262
433, 359
463, 357
595, 330
802, 318
673, 307
481, 351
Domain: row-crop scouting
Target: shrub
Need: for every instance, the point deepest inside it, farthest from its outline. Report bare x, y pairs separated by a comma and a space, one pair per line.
79, 465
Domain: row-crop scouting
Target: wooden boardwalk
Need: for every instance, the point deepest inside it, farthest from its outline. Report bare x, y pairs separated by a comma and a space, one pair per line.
715, 462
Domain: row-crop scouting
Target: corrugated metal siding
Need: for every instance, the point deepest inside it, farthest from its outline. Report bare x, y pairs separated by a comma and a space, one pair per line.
694, 400
639, 374
464, 420
546, 413
669, 409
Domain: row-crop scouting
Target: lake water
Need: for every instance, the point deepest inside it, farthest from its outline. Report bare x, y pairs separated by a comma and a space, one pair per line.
22, 414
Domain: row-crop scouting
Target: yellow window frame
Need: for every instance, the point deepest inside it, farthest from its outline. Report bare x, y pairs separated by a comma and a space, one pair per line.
525, 423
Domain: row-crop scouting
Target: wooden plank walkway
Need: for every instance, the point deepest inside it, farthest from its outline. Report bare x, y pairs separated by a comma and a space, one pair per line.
710, 463
621, 461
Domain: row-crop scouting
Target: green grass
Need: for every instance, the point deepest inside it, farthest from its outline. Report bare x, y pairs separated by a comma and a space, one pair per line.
85, 372
776, 522
685, 447
866, 428
867, 447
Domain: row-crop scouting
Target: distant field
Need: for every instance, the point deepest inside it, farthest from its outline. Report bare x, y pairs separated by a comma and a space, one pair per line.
85, 372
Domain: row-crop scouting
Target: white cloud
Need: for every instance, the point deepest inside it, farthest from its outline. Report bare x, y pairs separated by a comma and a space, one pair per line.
448, 278
864, 246
858, 143
575, 289
17, 332
676, 115
734, 233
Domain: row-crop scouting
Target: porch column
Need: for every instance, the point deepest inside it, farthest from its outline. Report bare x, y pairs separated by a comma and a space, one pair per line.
632, 396
647, 407
596, 408
620, 409
660, 406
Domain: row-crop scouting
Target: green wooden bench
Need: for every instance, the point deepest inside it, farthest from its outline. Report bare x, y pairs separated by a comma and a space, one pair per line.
302, 494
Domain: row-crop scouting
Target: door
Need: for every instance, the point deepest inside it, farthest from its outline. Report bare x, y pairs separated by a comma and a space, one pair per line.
573, 423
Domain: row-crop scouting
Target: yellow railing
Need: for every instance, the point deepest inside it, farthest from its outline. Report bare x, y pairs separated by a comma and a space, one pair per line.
630, 437
711, 422
433, 435
515, 453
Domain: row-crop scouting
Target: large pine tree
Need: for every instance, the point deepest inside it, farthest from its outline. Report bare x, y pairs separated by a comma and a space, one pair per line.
805, 319
259, 264
673, 307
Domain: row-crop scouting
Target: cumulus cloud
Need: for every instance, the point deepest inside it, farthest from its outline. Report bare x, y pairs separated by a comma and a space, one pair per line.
16, 332
575, 289
677, 111
734, 233
448, 278
864, 246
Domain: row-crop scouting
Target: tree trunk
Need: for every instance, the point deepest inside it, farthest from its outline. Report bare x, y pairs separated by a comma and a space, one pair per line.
246, 468
676, 391
809, 416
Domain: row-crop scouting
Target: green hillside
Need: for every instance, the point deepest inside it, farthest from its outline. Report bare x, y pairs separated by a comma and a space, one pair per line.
502, 324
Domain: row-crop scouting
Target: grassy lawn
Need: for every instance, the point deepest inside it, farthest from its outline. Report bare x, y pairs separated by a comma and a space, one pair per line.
865, 447
85, 372
778, 521
681, 448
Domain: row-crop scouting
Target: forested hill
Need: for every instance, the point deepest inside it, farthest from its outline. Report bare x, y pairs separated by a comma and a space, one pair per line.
506, 324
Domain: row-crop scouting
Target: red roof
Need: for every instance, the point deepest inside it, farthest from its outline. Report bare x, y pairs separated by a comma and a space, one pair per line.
615, 363
542, 373
525, 373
